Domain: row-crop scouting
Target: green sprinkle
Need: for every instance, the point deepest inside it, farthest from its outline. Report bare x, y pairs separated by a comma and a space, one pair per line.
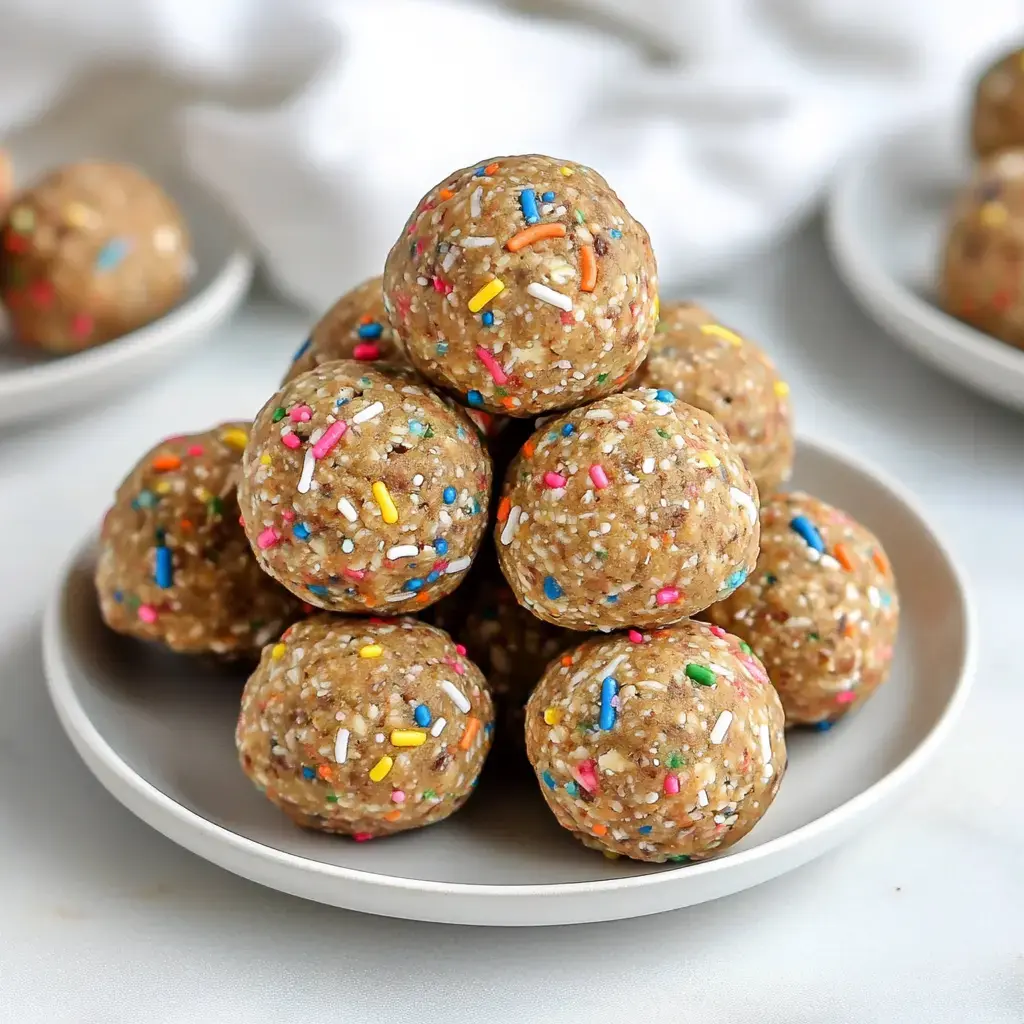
578, 214
745, 647
663, 433
429, 432
429, 794
501, 392
332, 798
700, 675
770, 579
215, 506
602, 377
675, 760
279, 414
680, 858
813, 636
602, 555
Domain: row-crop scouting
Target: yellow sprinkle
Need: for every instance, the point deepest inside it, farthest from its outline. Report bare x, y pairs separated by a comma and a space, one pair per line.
381, 768
408, 737
709, 459
79, 215
265, 460
278, 652
567, 171
371, 651
552, 716
611, 855
781, 388
383, 498
722, 332
22, 218
163, 487
235, 437
656, 309
992, 214
203, 494
489, 291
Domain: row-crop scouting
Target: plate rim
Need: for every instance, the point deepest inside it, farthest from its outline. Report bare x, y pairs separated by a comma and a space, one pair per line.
83, 734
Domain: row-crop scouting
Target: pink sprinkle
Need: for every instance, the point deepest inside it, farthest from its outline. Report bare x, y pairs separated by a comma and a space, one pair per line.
241, 522
81, 325
362, 837
355, 574
440, 565
554, 480
567, 319
667, 595
290, 440
599, 476
398, 796
461, 648
719, 632
846, 697
493, 366
195, 449
268, 538
288, 515
300, 414
459, 669
635, 636
147, 613
331, 437
441, 286
672, 784
366, 351
753, 668
586, 775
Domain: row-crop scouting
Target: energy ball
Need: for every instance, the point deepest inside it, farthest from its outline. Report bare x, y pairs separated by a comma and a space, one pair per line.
997, 120
523, 284
355, 327
820, 610
663, 746
634, 510
92, 252
727, 375
6, 181
174, 565
365, 728
363, 489
982, 269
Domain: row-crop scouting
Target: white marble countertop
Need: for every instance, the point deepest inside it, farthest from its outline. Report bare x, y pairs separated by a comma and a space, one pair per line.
920, 919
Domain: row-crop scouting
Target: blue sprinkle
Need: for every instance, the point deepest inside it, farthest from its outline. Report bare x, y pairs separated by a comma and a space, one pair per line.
664, 395
460, 433
475, 398
528, 201
118, 596
422, 716
414, 584
317, 588
548, 197
488, 728
307, 772
302, 349
145, 499
415, 427
645, 829
441, 348
886, 598
340, 402
549, 780
300, 530
370, 331
480, 172
487, 319
809, 532
449, 495
609, 688
612, 599
474, 506
615, 233
567, 429
822, 726
433, 576
552, 590
112, 253
572, 789
164, 569
441, 546
735, 579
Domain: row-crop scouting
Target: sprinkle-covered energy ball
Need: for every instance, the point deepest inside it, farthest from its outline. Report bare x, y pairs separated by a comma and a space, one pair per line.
355, 327
363, 489
632, 511
92, 252
663, 746
365, 727
820, 610
982, 271
997, 120
727, 375
523, 284
174, 565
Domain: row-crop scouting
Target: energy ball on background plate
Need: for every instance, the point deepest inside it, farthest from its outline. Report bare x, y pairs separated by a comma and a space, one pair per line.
174, 565
634, 510
523, 284
365, 727
728, 376
91, 252
355, 327
363, 489
820, 610
983, 262
6, 181
663, 746
997, 120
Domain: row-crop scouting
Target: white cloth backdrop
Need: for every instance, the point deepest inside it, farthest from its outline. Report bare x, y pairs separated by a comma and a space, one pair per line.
321, 123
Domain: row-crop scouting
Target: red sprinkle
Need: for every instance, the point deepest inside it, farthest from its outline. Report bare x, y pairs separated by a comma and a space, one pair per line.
366, 351
81, 325
288, 515
355, 574
195, 449
41, 292
719, 632
586, 775
362, 837
846, 697
461, 648
635, 636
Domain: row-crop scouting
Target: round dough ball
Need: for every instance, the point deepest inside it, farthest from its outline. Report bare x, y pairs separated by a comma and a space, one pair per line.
728, 376
6, 181
634, 510
92, 252
997, 120
365, 728
355, 327
523, 284
820, 610
982, 270
659, 747
363, 489
174, 565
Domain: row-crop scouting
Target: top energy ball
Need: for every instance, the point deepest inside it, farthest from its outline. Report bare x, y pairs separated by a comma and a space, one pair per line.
997, 118
524, 285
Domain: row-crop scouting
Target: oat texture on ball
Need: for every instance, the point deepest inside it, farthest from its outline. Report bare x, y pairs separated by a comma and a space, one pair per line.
633, 510
355, 327
658, 746
523, 284
722, 372
174, 565
364, 490
365, 728
982, 272
820, 610
91, 252
997, 119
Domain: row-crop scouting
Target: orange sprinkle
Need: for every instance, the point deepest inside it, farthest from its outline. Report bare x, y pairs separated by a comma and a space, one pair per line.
508, 402
879, 559
529, 449
366, 318
324, 771
472, 728
392, 815
537, 233
422, 597
491, 168
848, 629
588, 269
598, 829
368, 600
186, 524
566, 660
164, 463
842, 554
504, 507
445, 193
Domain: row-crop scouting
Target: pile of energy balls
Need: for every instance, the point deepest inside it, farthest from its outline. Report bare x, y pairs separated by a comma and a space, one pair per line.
487, 501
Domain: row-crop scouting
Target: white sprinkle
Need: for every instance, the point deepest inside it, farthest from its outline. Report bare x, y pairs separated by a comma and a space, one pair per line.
609, 669
476, 241
744, 501
511, 524
308, 465
417, 480
438, 727
369, 413
599, 414
874, 597
346, 509
721, 727
648, 466
449, 258
348, 546
549, 295
457, 696
459, 565
828, 562
341, 746
766, 745
702, 798
403, 551
474, 202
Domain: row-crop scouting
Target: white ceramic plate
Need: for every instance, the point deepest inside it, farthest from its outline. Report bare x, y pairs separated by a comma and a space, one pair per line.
158, 731
888, 212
